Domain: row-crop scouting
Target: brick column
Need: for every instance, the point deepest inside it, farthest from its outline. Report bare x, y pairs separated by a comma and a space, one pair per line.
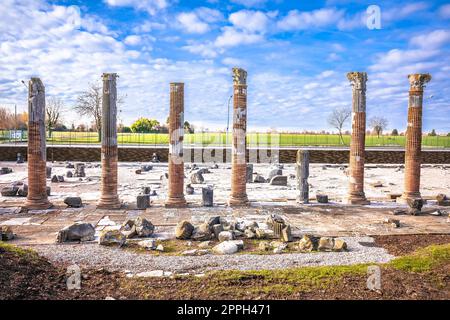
357, 144
238, 195
37, 153
413, 146
176, 132
109, 198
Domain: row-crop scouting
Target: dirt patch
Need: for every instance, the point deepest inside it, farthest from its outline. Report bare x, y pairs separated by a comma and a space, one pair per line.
399, 245
25, 275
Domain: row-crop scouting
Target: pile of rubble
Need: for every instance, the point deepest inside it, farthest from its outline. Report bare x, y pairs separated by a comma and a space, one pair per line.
6, 233
18, 189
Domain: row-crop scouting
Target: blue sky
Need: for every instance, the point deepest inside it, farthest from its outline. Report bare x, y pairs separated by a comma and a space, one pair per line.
297, 54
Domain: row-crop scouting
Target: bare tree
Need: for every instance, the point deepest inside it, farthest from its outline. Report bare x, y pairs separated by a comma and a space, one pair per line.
338, 118
89, 103
378, 124
6, 119
53, 109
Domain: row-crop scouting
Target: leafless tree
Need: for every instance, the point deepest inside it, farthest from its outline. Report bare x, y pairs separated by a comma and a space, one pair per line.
378, 124
338, 118
89, 103
53, 109
6, 119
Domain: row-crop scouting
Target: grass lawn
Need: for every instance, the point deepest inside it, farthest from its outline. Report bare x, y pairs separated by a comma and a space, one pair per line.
253, 139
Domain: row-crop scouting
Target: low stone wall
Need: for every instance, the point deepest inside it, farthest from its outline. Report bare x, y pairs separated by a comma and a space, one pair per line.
198, 155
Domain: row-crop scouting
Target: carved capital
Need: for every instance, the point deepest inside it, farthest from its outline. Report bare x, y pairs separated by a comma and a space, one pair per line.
417, 81
239, 76
109, 76
357, 80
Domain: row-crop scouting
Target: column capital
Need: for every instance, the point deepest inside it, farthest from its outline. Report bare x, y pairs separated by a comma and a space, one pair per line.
357, 80
417, 81
239, 76
109, 76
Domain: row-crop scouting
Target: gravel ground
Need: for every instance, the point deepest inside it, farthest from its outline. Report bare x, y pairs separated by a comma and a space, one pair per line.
361, 250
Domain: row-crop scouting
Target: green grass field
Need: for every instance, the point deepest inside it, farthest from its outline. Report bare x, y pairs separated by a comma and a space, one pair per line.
253, 139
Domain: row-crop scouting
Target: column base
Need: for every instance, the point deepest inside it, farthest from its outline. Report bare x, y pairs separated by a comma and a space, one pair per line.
238, 202
109, 204
352, 200
408, 195
37, 204
175, 203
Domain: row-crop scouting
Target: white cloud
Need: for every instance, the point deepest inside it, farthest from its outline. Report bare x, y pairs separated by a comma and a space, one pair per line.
250, 3
432, 40
191, 23
444, 11
206, 50
151, 6
403, 11
232, 37
199, 20
252, 21
133, 40
302, 20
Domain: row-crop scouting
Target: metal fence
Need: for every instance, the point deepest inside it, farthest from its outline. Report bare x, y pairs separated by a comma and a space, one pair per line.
220, 139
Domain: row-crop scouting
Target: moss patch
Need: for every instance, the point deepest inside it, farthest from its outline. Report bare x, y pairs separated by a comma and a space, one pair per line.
424, 259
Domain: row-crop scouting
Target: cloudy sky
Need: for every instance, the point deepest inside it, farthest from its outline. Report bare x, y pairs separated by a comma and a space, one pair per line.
297, 54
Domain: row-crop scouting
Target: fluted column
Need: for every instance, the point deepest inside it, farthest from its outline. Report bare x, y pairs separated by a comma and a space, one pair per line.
176, 132
109, 198
413, 146
238, 195
37, 153
357, 144
302, 170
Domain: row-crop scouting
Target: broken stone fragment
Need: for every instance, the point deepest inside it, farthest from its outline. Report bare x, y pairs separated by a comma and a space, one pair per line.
143, 201
286, 234
393, 222
225, 236
414, 205
149, 244
184, 230
278, 181
19, 158
442, 200
5, 170
397, 212
76, 232
189, 189
274, 172
325, 244
160, 248
146, 168
69, 174
204, 244
264, 246
55, 179
261, 233
201, 233
138, 171
73, 202
195, 252
6, 233
208, 196
307, 243
339, 245
377, 184
110, 236
9, 191
23, 190
197, 178
139, 227
393, 196
249, 234
146, 190
70, 166
259, 179
322, 198
249, 173
279, 247
226, 247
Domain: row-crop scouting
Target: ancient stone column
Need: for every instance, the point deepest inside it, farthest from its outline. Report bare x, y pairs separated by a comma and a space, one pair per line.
109, 198
357, 144
37, 153
413, 147
176, 132
238, 195
302, 170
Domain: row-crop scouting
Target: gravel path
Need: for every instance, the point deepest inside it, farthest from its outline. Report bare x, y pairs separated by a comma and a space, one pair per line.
115, 259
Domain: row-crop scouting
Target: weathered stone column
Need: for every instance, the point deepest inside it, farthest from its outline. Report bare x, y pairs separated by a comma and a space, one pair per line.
176, 132
302, 170
37, 153
413, 146
238, 195
109, 198
357, 144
